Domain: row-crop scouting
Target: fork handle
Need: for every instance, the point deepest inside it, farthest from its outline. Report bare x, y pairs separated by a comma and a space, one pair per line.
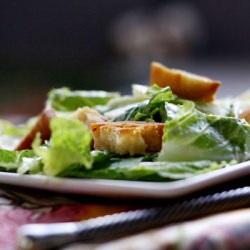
55, 235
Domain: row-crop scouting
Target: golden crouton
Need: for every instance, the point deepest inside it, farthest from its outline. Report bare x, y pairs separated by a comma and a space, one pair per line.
246, 115
41, 126
88, 116
133, 138
184, 84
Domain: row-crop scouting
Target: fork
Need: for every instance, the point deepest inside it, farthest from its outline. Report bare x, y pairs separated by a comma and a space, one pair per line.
55, 235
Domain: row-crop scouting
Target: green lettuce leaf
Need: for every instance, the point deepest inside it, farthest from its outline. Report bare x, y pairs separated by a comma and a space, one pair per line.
192, 135
69, 145
137, 170
10, 160
156, 109
64, 99
116, 105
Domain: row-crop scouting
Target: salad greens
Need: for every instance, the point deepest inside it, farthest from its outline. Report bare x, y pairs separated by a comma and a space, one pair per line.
11, 161
137, 169
69, 145
155, 109
63, 99
198, 137
193, 135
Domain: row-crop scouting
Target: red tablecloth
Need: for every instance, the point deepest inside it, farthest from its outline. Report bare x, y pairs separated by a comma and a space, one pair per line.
18, 208
229, 230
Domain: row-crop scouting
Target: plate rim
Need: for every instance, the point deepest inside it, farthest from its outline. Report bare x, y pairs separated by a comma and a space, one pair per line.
125, 188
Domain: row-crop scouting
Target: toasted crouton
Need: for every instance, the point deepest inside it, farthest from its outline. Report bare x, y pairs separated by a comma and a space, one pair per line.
184, 84
41, 126
133, 138
88, 116
246, 115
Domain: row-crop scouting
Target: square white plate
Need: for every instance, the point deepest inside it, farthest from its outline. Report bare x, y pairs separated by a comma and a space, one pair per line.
127, 189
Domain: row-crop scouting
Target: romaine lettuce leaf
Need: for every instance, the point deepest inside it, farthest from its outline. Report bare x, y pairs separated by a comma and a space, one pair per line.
69, 145
64, 99
11, 160
192, 135
154, 109
136, 169
140, 93
212, 108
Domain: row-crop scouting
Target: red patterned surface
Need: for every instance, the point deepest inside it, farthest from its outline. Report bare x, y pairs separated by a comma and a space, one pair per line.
229, 231
17, 209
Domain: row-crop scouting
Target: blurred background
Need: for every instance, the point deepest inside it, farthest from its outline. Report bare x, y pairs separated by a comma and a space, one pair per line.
109, 44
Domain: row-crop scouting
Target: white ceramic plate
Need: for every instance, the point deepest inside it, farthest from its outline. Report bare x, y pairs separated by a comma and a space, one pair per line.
127, 189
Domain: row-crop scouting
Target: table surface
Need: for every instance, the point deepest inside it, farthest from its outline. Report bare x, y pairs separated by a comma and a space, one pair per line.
20, 207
